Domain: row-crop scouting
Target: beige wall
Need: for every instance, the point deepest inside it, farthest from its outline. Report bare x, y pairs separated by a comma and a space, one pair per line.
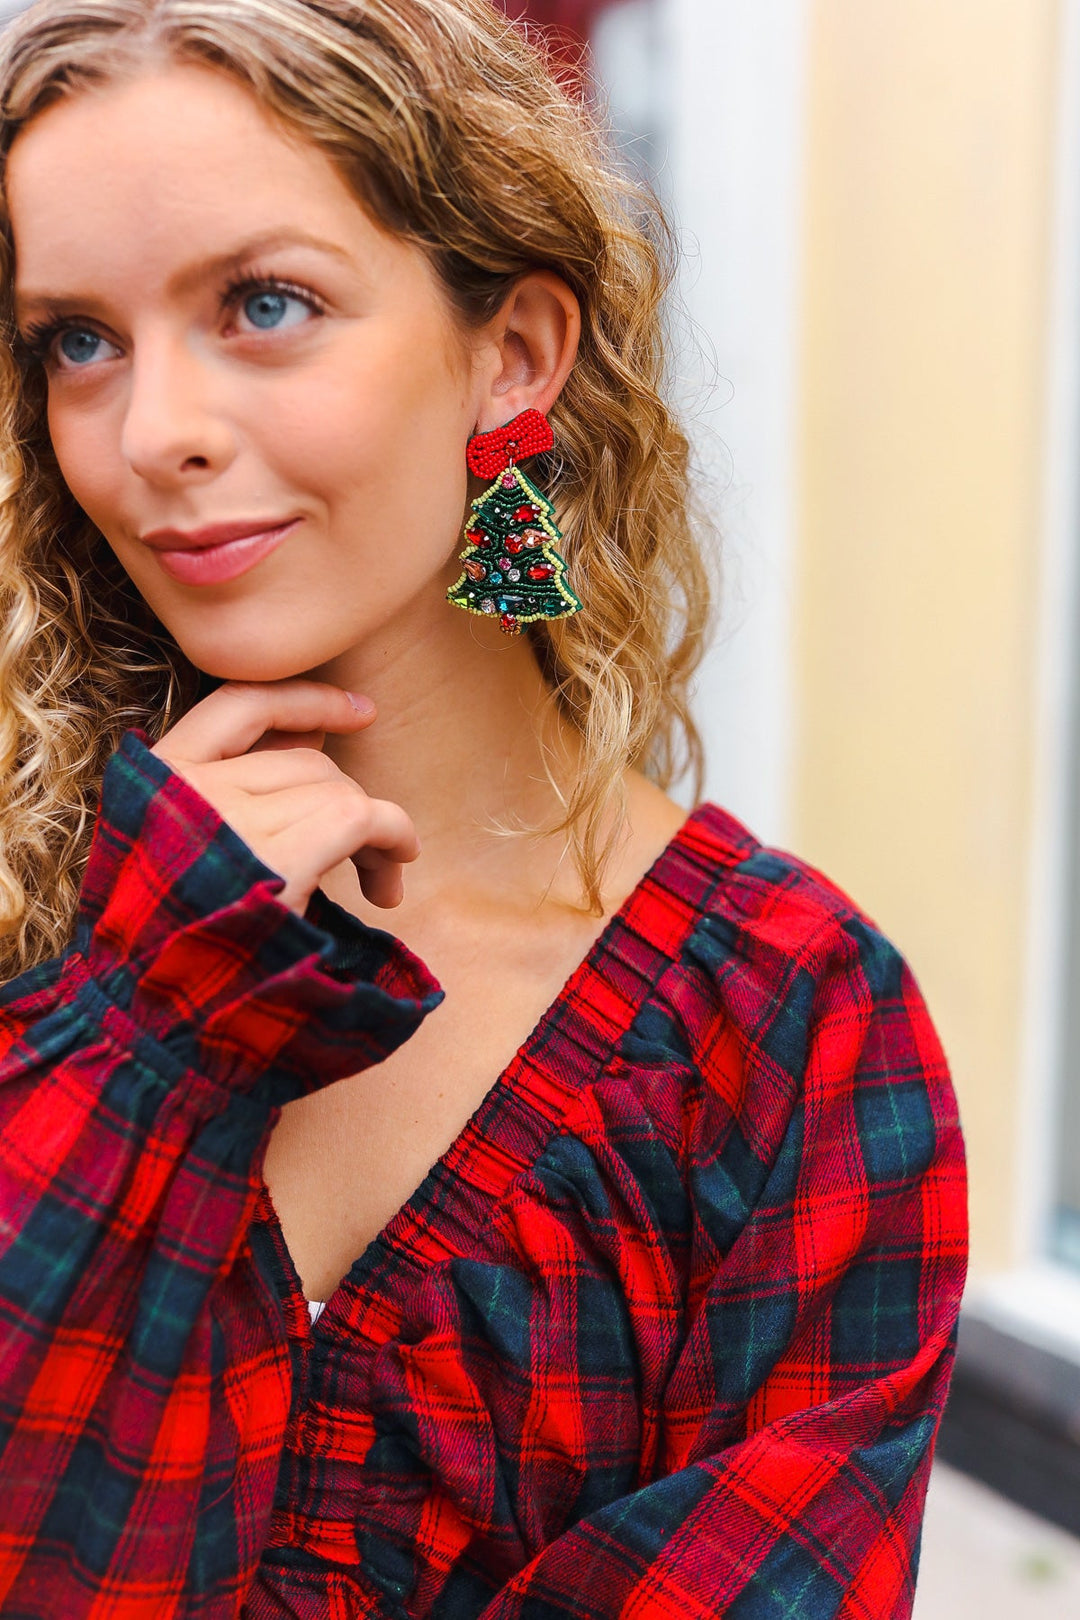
929, 147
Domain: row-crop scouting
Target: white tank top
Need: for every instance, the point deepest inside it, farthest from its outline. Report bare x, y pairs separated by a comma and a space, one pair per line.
316, 1307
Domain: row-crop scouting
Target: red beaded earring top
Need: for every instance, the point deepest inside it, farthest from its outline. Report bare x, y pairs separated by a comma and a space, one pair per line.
488, 454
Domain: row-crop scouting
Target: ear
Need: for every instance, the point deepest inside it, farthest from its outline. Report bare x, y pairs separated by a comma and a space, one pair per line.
529, 350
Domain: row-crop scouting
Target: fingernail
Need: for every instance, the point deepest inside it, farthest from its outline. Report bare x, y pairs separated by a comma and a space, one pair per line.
362, 704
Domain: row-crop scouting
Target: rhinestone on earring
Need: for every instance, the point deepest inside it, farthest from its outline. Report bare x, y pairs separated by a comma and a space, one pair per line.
512, 567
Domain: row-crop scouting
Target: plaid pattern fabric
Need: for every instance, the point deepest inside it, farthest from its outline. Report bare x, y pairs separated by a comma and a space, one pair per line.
666, 1333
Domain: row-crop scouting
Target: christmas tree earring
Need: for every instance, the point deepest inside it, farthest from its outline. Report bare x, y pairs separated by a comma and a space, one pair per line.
511, 565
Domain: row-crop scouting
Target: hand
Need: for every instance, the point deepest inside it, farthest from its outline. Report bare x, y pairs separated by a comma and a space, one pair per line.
252, 749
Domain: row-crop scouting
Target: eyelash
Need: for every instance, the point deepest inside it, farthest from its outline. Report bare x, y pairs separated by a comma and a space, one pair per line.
38, 340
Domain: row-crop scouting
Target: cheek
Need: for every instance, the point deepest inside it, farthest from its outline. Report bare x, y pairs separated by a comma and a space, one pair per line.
384, 447
86, 452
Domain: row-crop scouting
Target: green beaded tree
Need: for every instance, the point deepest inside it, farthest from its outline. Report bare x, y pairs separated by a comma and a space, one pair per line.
512, 569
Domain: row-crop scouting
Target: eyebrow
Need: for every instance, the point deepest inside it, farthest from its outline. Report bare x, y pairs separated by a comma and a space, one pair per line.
184, 280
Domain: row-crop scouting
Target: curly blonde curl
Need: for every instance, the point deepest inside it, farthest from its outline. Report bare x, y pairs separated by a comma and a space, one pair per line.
455, 131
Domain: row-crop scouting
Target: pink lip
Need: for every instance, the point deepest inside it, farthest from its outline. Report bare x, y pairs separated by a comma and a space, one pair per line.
212, 564
211, 534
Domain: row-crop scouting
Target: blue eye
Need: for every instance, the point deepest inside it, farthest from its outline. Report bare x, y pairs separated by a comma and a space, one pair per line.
76, 344
263, 300
52, 343
266, 309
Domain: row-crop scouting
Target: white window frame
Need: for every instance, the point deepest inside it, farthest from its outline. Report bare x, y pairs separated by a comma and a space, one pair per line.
736, 115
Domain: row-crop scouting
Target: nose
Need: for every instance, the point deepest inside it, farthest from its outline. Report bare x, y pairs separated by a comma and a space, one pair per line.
172, 433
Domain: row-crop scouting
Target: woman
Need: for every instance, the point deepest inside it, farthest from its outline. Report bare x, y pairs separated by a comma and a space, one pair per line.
620, 1277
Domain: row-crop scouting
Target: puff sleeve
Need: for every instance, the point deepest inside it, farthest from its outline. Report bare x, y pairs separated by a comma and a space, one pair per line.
801, 1393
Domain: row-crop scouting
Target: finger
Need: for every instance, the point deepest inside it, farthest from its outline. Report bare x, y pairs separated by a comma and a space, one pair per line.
381, 885
308, 848
382, 881
351, 822
274, 741
238, 714
270, 770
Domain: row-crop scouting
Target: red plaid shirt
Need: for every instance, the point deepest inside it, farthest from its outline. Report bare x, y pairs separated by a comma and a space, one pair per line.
666, 1333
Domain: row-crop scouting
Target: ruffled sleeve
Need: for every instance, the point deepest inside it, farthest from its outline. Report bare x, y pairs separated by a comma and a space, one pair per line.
144, 1370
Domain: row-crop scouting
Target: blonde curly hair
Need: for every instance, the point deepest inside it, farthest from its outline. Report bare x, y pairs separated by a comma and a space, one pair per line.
454, 130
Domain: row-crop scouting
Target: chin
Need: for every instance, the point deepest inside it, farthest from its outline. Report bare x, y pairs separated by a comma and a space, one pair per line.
271, 658
231, 669
261, 641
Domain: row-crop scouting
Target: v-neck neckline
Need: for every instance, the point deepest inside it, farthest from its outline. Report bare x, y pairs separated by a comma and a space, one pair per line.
574, 1037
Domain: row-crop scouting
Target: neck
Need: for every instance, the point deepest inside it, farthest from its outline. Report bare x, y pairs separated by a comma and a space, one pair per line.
464, 724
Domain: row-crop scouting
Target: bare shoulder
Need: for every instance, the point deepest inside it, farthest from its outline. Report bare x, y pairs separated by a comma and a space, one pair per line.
651, 809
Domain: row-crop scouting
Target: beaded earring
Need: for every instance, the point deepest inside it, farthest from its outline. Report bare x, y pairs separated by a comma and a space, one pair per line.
511, 567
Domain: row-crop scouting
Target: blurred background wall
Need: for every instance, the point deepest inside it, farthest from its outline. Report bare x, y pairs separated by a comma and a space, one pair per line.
926, 280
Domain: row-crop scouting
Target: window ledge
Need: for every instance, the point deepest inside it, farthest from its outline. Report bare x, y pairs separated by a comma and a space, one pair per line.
1038, 1304
1013, 1415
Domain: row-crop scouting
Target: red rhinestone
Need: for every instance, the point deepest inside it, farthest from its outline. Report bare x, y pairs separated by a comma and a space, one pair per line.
509, 624
514, 543
525, 514
476, 537
540, 571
